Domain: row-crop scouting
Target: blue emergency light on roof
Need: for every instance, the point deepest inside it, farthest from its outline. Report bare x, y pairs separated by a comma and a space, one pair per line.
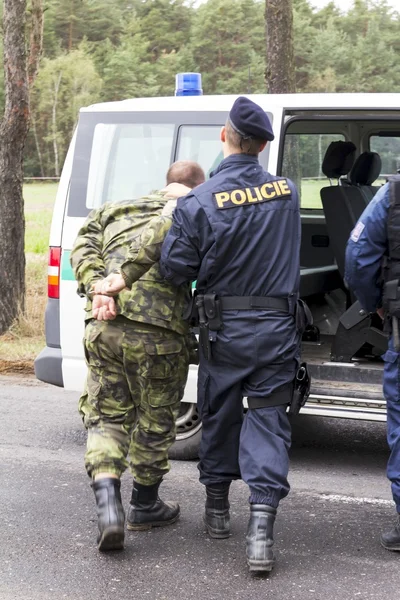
188, 84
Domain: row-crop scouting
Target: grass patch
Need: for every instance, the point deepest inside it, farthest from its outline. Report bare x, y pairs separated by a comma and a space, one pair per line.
25, 339
310, 193
39, 201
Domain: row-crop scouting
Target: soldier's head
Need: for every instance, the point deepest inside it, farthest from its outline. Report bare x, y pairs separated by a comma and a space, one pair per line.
247, 129
187, 172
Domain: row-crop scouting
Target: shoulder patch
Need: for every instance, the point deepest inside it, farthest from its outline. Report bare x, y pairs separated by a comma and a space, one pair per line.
271, 190
357, 231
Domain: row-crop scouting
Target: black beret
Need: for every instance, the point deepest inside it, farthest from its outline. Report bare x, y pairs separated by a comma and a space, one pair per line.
249, 120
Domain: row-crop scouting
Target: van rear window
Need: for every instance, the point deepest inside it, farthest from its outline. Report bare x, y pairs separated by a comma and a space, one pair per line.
202, 144
128, 161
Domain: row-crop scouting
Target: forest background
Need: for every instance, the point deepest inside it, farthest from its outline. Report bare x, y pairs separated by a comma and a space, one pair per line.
101, 50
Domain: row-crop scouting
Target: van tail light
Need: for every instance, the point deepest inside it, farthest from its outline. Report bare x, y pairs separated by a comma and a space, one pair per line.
53, 272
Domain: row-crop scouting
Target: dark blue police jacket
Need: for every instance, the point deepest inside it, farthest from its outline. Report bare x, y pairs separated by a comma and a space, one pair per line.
237, 234
365, 250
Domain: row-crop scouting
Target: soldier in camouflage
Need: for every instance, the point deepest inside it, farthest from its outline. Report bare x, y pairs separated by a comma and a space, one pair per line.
137, 349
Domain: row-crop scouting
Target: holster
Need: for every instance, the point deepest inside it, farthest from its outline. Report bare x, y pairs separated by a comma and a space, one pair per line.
303, 316
209, 319
301, 391
191, 312
204, 335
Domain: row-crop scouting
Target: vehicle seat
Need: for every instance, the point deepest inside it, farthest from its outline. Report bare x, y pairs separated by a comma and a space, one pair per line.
365, 171
358, 332
338, 209
338, 160
344, 203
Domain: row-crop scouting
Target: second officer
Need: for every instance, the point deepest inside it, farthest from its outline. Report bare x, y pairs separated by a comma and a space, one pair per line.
238, 235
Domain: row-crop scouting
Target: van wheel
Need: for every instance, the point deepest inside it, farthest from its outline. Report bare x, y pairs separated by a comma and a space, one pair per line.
186, 446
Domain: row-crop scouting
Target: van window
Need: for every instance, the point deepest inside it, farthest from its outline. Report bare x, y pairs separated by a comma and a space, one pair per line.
388, 148
202, 144
128, 161
302, 160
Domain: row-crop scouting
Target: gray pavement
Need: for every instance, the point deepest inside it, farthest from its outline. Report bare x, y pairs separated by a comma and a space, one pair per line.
327, 532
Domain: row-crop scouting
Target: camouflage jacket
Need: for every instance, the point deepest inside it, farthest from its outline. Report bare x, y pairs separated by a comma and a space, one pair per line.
108, 236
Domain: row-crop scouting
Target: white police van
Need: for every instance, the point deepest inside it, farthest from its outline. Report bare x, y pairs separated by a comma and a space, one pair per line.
123, 149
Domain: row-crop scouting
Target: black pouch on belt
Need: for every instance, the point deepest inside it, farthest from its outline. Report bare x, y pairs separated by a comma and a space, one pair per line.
212, 308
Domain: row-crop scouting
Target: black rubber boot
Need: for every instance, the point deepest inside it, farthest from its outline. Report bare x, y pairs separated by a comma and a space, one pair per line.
110, 514
216, 516
391, 539
146, 510
260, 538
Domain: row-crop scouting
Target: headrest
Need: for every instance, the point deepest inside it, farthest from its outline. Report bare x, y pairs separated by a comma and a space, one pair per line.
366, 169
338, 159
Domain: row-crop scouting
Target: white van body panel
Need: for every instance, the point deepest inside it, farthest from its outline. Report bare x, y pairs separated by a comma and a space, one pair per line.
267, 101
57, 222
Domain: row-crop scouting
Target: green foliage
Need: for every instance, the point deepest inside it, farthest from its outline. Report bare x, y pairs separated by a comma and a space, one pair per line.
353, 52
63, 85
101, 50
228, 46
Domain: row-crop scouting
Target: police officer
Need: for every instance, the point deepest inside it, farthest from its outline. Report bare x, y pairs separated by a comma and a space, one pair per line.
238, 235
375, 243
137, 350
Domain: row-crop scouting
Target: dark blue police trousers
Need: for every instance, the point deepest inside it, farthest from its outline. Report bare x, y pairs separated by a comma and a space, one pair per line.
391, 391
252, 356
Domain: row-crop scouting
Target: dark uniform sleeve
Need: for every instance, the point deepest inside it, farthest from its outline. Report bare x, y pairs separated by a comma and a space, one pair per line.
86, 255
145, 249
187, 242
365, 250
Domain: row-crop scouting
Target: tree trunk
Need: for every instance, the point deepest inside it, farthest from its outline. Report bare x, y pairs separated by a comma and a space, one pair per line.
57, 84
36, 39
37, 144
279, 74
13, 131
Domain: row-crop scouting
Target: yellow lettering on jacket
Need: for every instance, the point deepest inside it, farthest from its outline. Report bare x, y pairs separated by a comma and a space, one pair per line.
258, 193
270, 190
250, 197
238, 200
221, 198
264, 192
283, 186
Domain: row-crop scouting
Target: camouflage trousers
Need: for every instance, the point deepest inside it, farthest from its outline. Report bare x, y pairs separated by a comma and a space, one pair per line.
136, 379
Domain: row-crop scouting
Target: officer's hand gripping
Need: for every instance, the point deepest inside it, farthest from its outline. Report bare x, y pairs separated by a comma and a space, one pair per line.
110, 286
175, 190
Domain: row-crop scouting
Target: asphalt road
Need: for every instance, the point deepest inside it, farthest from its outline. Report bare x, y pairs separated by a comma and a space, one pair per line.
327, 532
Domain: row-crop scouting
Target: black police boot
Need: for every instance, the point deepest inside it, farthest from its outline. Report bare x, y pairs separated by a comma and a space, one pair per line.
110, 514
146, 510
260, 538
216, 516
391, 539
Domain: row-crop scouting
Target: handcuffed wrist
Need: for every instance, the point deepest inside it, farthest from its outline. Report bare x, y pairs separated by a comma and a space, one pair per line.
125, 277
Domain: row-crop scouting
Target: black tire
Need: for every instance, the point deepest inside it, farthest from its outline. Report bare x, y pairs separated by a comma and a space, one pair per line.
186, 446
